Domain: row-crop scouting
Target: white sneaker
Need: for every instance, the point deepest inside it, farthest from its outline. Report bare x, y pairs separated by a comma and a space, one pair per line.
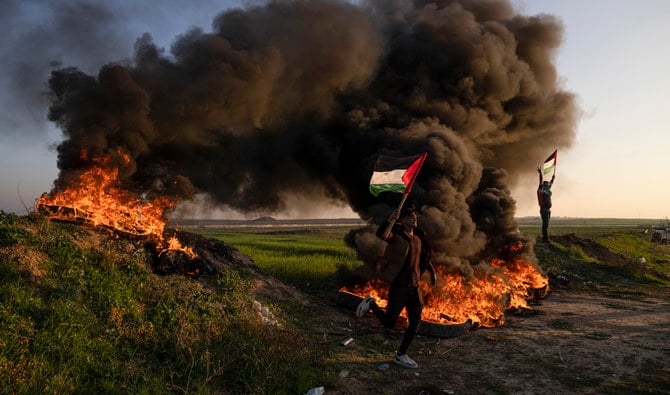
405, 361
364, 306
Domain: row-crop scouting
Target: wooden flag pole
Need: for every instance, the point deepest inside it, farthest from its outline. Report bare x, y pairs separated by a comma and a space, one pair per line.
387, 232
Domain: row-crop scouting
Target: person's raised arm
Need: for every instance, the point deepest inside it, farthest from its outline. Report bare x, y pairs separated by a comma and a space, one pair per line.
384, 230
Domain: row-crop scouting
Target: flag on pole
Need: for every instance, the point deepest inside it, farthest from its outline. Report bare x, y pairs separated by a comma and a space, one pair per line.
549, 165
394, 174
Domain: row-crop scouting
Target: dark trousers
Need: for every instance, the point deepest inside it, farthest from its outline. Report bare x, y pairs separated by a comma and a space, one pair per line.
545, 213
399, 298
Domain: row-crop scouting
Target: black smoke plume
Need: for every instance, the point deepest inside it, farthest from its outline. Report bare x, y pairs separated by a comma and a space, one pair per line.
300, 97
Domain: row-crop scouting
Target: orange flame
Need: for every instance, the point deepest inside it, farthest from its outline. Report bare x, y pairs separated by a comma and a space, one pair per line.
96, 198
483, 298
175, 245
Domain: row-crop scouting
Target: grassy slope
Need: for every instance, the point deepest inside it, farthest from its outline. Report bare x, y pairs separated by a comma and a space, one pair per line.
612, 261
81, 317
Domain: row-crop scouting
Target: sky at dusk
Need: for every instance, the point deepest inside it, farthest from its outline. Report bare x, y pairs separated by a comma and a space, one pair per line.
613, 58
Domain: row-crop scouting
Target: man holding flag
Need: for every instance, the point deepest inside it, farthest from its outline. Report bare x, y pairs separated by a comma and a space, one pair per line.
407, 254
544, 192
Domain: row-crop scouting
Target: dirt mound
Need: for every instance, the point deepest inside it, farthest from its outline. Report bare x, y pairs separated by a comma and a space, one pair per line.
616, 262
215, 255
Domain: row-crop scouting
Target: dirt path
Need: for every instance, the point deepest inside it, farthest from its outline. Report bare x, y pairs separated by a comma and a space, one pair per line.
576, 343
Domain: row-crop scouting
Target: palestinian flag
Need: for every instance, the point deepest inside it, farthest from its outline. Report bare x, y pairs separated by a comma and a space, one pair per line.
394, 174
549, 165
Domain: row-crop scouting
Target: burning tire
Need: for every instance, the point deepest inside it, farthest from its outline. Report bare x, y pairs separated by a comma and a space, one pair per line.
435, 329
427, 328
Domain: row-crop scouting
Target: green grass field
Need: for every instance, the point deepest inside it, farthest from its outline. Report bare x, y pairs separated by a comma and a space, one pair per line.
306, 259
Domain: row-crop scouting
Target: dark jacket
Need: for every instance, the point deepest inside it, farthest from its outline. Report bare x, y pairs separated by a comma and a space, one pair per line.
544, 193
395, 255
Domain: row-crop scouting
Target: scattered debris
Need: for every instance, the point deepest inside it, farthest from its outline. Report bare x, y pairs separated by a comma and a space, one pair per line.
315, 391
265, 314
558, 281
661, 233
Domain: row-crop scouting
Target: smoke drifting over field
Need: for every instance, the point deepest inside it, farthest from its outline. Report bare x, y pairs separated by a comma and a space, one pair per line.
298, 98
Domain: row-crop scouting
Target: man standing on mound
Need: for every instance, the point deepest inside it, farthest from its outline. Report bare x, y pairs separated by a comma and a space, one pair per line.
544, 200
406, 257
